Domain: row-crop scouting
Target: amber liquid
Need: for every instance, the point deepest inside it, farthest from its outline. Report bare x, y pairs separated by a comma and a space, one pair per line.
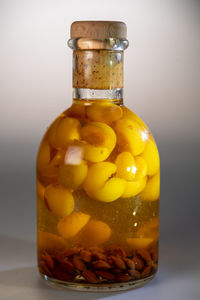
89, 233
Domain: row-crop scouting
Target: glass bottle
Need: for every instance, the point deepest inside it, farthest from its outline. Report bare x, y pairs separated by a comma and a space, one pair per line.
98, 176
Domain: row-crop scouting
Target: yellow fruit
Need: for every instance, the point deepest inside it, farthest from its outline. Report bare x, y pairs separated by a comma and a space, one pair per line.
93, 153
126, 166
128, 114
98, 174
43, 157
40, 190
149, 229
133, 188
134, 171
99, 186
104, 112
67, 131
52, 133
52, 169
47, 167
94, 233
131, 136
139, 243
152, 189
72, 176
141, 168
72, 224
151, 156
99, 134
113, 155
50, 242
99, 141
111, 191
59, 200
77, 110
58, 159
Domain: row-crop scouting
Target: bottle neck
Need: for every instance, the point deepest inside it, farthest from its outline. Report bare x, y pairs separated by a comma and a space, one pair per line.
98, 74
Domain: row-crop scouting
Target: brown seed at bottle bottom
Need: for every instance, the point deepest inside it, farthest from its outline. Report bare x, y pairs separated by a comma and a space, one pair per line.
63, 276
90, 276
130, 263
155, 266
66, 265
146, 272
72, 251
44, 269
154, 255
49, 261
145, 255
106, 275
98, 256
123, 278
117, 262
86, 256
78, 263
134, 273
116, 271
101, 264
139, 265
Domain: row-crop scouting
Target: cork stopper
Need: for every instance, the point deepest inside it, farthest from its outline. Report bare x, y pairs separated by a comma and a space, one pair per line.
98, 29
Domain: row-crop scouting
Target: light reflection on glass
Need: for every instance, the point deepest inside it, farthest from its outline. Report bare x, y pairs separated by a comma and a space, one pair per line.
132, 169
74, 155
145, 135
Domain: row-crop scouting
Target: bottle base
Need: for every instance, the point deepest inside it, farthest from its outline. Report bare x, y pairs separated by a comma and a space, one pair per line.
102, 287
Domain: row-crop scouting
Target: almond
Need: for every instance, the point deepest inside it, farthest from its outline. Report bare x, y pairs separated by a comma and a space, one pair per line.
146, 272
118, 262
49, 261
135, 274
66, 265
105, 275
116, 271
72, 251
63, 276
78, 263
130, 263
145, 255
45, 269
98, 255
90, 276
139, 265
154, 255
86, 255
101, 264
123, 278
155, 266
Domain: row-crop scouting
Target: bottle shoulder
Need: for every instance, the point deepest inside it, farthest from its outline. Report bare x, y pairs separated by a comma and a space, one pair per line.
122, 121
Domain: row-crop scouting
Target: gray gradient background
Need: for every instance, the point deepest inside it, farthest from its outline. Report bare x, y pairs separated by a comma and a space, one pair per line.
162, 85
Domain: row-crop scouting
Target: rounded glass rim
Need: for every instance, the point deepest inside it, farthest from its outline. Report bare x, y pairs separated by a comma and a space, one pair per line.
112, 44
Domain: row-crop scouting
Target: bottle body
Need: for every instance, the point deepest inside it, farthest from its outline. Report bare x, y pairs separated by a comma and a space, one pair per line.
98, 179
